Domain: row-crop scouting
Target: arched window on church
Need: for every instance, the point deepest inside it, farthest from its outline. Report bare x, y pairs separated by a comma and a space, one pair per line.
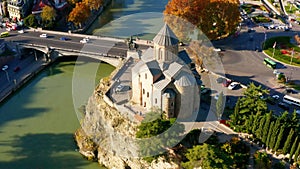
145, 75
147, 94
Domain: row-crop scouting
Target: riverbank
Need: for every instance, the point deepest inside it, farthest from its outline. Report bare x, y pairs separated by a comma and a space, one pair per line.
92, 18
29, 68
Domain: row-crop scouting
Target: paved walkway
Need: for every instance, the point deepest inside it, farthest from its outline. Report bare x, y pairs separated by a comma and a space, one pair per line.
11, 80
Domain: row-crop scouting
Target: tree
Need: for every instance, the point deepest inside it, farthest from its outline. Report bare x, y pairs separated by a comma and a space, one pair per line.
296, 155
216, 18
220, 105
30, 21
274, 133
48, 14
79, 14
72, 2
279, 138
288, 142
255, 122
293, 148
93, 4
235, 116
251, 102
269, 133
259, 131
266, 127
206, 156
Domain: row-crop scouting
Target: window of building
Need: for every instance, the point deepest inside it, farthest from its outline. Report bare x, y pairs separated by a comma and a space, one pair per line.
155, 100
172, 104
147, 94
144, 104
145, 75
143, 91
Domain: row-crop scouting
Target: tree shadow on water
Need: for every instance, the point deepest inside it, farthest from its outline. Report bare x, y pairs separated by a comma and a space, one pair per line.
44, 151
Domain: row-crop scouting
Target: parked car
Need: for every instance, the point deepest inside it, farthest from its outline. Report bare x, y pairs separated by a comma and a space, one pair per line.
233, 85
226, 82
276, 97
120, 88
220, 80
5, 67
43, 35
21, 31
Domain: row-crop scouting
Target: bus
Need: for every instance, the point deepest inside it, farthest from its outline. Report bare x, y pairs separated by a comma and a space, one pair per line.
270, 63
291, 100
4, 34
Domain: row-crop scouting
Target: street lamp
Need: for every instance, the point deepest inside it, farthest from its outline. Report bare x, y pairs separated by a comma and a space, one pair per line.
4, 69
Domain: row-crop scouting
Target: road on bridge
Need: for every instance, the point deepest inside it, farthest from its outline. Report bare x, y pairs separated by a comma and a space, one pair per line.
101, 46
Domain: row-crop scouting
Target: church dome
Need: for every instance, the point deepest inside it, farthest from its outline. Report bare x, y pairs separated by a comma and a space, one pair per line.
165, 37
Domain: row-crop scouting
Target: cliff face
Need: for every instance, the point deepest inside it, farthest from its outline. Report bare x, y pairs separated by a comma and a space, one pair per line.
108, 137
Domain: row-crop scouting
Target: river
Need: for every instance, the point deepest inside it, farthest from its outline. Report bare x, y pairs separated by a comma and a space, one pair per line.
124, 18
37, 123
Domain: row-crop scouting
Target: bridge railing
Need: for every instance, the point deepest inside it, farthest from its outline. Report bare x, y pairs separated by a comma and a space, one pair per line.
71, 50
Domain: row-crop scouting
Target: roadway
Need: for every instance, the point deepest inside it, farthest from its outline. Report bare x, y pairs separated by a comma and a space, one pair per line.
244, 64
101, 46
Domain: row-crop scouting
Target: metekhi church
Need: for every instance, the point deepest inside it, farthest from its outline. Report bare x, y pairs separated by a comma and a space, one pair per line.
163, 79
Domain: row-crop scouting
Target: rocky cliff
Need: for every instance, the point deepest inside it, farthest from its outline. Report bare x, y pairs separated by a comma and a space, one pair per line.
108, 137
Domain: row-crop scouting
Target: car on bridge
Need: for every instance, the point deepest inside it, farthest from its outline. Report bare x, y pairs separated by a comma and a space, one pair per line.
64, 38
84, 40
43, 35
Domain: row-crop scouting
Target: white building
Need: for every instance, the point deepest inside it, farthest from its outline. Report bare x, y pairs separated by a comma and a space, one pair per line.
162, 78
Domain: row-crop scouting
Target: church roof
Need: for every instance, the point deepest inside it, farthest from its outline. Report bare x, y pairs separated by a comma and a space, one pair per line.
184, 57
173, 69
147, 55
162, 83
153, 67
165, 37
185, 79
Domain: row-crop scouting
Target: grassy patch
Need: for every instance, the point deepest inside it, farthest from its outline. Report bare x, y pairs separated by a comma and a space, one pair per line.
261, 19
290, 9
248, 8
282, 42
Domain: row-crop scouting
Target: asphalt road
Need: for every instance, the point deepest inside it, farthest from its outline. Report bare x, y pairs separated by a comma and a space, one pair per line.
244, 64
73, 42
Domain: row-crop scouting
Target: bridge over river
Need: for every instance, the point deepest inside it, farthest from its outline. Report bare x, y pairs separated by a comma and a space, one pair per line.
107, 49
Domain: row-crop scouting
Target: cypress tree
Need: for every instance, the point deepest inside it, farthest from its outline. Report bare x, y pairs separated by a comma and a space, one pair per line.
288, 142
255, 122
279, 138
269, 133
274, 133
297, 153
266, 127
235, 116
220, 106
248, 123
259, 131
293, 148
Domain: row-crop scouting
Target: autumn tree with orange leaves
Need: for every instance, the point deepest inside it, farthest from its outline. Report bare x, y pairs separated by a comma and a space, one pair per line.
215, 18
93, 4
79, 14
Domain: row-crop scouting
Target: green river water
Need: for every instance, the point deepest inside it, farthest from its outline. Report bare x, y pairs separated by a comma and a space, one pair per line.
37, 123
